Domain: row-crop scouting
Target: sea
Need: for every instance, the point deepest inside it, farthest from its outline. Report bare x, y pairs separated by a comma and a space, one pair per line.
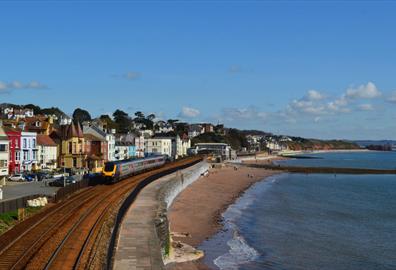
312, 221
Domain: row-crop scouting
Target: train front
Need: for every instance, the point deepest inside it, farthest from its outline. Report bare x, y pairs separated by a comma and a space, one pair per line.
109, 172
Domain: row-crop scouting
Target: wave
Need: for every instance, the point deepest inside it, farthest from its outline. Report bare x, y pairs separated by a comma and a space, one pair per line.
240, 253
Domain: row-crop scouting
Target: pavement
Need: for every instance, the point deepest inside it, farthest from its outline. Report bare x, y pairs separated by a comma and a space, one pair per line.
13, 190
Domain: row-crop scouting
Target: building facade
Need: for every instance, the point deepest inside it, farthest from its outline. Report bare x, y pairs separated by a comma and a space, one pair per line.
14, 162
96, 151
121, 150
4, 156
161, 146
47, 152
110, 138
29, 150
140, 146
71, 147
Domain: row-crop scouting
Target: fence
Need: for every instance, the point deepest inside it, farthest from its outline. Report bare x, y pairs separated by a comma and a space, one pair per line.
14, 204
69, 189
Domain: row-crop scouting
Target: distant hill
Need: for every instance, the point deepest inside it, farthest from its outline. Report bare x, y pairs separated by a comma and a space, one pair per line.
365, 143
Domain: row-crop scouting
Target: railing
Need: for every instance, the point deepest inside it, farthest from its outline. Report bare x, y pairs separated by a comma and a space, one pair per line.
69, 189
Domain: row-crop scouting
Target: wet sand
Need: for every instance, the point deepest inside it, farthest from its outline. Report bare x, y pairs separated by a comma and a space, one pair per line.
197, 210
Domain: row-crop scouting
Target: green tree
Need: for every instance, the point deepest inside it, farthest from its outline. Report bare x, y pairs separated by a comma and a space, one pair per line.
53, 111
139, 114
123, 121
109, 122
36, 109
80, 115
151, 117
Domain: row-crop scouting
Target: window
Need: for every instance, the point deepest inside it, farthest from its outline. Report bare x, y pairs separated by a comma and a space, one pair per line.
16, 143
75, 162
70, 147
34, 143
24, 143
25, 155
3, 148
3, 163
17, 155
34, 155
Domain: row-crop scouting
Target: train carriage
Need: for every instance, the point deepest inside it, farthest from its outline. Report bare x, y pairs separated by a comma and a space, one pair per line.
118, 170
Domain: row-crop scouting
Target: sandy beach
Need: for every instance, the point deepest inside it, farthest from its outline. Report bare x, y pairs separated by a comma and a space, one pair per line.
197, 210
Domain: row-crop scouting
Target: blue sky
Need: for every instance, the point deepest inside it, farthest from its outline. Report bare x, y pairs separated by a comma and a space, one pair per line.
324, 70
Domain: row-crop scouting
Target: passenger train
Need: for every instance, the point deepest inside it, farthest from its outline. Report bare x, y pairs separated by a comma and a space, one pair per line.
115, 171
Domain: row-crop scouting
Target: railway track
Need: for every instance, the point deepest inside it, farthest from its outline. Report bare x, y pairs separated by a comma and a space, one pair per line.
67, 235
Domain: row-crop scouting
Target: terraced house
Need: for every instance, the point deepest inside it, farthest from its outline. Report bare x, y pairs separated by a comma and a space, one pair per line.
47, 152
4, 156
28, 151
70, 139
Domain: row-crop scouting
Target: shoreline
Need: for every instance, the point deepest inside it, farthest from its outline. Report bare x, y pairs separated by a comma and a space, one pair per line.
197, 212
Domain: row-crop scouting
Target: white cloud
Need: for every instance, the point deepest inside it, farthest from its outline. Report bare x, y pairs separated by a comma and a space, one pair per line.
365, 107
339, 105
367, 91
14, 85
314, 95
189, 112
250, 113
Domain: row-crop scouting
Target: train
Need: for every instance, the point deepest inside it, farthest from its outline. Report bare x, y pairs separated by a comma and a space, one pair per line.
115, 171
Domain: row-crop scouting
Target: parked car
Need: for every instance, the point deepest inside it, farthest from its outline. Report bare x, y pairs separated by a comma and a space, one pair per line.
62, 181
43, 175
31, 177
16, 177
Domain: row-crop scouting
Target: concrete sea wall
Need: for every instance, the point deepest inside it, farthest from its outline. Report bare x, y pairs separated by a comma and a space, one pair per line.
167, 193
144, 237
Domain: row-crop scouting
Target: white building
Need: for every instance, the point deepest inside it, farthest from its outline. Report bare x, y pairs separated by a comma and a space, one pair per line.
4, 156
163, 127
18, 113
121, 151
28, 156
140, 146
195, 130
64, 120
222, 150
110, 138
180, 146
162, 146
47, 152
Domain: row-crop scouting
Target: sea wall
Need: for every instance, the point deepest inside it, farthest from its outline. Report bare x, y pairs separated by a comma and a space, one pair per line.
167, 193
144, 237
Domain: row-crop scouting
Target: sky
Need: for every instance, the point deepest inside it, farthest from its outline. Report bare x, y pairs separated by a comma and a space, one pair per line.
323, 69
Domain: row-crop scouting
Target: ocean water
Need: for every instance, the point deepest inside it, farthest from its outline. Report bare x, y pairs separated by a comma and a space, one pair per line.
369, 159
315, 221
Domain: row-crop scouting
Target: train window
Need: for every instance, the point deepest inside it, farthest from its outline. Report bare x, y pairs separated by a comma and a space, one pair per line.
109, 167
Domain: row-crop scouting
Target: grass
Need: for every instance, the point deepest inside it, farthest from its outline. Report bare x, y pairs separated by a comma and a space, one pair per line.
9, 219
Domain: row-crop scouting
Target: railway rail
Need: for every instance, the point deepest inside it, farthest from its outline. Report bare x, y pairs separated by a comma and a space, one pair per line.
68, 234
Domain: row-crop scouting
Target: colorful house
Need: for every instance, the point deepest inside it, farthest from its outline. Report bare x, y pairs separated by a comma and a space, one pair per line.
4, 156
96, 151
28, 153
47, 152
14, 137
71, 143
